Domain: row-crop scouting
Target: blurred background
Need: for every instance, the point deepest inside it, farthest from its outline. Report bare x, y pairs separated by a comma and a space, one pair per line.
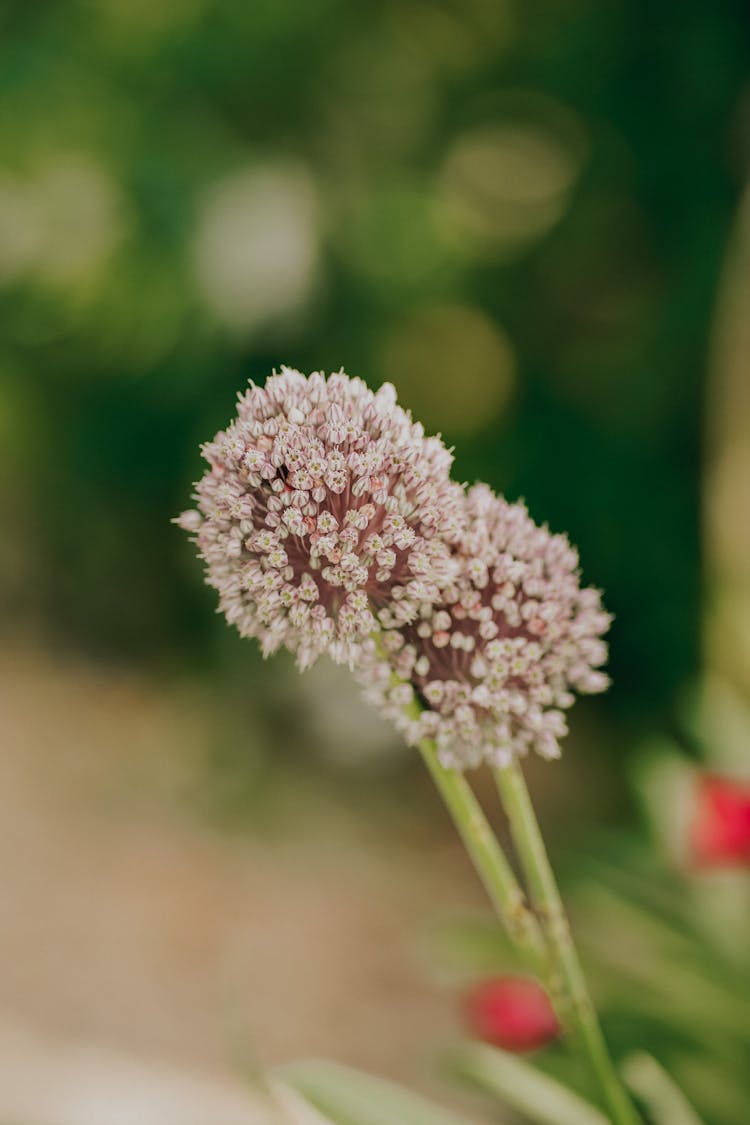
528, 217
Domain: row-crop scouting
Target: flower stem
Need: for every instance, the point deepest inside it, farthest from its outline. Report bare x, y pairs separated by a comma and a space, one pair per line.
546, 898
490, 862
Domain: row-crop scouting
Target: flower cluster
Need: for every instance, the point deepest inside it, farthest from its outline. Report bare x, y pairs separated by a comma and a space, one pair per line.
489, 669
328, 523
325, 511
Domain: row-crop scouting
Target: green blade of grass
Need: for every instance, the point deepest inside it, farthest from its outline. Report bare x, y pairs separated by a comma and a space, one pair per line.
666, 1102
349, 1097
290, 1108
541, 1098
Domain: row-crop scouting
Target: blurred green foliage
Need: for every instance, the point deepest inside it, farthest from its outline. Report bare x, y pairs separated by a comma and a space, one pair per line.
516, 212
663, 940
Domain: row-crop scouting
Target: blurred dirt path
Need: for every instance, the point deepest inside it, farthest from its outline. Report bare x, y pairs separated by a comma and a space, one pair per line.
44, 1081
126, 921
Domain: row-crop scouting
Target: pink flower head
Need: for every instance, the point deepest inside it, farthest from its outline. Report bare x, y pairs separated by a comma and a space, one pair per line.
511, 1012
494, 663
324, 510
720, 828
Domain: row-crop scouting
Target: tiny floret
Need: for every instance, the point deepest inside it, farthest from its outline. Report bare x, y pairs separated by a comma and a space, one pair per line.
495, 661
325, 515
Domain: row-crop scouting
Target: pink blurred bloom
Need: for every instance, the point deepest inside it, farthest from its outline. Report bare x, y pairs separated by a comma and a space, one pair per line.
511, 1012
719, 831
325, 510
495, 662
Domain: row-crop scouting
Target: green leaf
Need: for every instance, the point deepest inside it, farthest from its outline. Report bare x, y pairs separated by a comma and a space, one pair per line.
292, 1109
666, 1102
543, 1099
349, 1097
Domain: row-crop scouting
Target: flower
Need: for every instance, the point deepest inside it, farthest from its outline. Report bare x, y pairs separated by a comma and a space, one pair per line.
325, 509
719, 831
511, 1012
489, 669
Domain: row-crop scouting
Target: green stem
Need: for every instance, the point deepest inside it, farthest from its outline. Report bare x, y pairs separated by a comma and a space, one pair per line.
546, 898
489, 861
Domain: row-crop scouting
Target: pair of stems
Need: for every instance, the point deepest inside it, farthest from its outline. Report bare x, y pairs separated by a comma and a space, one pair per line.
541, 936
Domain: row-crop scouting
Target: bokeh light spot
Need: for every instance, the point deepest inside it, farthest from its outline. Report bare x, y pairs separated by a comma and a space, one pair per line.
62, 224
453, 367
144, 17
504, 184
255, 251
20, 229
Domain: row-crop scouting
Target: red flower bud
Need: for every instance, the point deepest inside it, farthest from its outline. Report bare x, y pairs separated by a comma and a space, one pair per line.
511, 1012
719, 831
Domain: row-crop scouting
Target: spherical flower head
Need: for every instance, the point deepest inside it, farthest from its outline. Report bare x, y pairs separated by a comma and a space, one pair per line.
488, 671
324, 510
